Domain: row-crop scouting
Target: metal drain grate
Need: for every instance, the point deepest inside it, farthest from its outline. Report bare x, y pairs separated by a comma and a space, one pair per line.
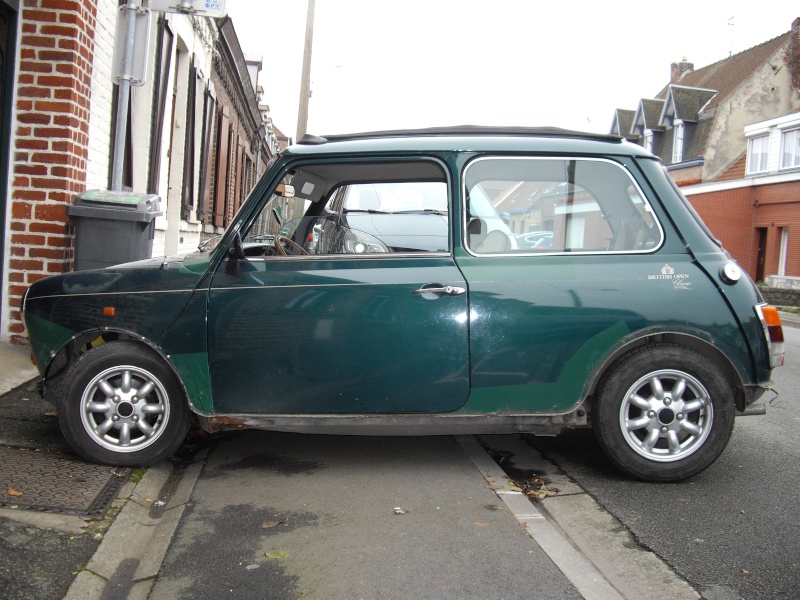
54, 482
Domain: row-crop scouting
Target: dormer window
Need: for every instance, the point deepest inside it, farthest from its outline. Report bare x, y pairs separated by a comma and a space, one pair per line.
677, 142
757, 154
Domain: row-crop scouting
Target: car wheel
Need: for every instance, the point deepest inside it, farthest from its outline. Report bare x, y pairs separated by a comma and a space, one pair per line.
663, 413
121, 405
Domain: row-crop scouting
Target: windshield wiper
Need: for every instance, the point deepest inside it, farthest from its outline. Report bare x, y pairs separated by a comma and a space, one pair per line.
422, 211
416, 211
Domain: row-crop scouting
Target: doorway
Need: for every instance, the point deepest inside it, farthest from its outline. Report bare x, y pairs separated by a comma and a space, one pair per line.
761, 253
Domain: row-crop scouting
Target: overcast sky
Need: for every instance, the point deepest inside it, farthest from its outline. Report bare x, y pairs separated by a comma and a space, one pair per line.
385, 64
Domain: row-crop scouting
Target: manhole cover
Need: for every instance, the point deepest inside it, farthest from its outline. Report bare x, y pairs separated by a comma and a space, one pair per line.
54, 482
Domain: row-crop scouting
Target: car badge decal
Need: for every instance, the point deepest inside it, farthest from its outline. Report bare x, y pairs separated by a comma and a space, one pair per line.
680, 281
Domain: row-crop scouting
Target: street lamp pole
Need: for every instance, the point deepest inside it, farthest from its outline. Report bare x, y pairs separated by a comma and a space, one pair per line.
305, 82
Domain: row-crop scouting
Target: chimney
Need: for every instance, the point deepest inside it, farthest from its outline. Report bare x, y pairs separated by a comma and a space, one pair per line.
794, 54
679, 69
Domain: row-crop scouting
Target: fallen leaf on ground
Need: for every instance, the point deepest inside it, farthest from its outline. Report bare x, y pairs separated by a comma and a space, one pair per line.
276, 554
480, 524
270, 524
13, 492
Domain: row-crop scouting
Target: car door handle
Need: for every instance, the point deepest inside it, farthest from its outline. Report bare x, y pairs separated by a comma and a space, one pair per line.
448, 290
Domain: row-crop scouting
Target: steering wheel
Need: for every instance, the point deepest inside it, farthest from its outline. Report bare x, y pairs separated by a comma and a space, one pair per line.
293, 247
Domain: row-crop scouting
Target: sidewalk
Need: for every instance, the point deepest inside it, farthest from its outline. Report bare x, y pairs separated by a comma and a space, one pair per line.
790, 319
47, 553
16, 367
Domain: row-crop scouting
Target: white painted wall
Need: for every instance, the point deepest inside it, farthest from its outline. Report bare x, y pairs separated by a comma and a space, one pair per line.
98, 163
193, 36
766, 94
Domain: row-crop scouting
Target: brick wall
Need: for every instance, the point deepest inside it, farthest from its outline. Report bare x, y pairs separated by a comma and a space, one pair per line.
778, 207
729, 216
735, 215
49, 147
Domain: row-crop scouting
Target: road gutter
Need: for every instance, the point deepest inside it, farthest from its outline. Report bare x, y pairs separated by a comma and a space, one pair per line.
128, 559
587, 579
590, 546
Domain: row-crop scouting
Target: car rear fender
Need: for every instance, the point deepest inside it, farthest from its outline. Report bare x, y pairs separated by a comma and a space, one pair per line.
697, 340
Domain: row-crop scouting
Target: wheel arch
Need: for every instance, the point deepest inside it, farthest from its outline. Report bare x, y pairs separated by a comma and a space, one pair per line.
82, 342
696, 341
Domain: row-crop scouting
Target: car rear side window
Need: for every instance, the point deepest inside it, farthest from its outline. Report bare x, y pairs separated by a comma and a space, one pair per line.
554, 205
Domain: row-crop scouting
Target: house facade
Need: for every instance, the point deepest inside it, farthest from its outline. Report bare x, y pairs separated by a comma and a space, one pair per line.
195, 134
729, 136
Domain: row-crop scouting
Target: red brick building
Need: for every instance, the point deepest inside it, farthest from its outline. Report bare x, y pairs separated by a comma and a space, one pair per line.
758, 224
57, 130
49, 141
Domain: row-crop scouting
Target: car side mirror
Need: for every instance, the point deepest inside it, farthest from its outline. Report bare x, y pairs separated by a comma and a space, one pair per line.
236, 251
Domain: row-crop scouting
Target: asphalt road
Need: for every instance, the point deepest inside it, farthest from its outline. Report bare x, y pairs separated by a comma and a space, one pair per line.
734, 530
301, 516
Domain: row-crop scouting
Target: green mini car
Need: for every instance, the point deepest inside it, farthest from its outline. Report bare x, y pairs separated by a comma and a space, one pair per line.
374, 284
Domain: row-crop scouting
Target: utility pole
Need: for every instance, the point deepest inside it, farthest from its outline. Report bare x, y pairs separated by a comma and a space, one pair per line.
305, 82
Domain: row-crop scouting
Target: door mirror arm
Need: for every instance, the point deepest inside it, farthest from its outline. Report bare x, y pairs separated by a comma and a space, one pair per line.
236, 251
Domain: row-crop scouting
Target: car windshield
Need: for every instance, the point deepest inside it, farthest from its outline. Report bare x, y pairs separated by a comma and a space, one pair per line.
393, 198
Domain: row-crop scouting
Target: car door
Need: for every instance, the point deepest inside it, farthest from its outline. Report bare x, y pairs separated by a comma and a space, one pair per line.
543, 317
299, 332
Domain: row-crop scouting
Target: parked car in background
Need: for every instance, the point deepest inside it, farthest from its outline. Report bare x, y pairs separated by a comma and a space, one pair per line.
539, 240
369, 286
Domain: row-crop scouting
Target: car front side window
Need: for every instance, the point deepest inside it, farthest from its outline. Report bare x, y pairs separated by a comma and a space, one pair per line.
405, 211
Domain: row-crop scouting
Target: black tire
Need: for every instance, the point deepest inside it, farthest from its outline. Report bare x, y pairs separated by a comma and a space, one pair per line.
104, 417
663, 413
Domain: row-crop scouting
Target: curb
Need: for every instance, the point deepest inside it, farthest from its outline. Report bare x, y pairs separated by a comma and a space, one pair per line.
128, 559
789, 319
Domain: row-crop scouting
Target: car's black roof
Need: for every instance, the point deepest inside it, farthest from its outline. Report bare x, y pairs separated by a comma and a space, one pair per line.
460, 130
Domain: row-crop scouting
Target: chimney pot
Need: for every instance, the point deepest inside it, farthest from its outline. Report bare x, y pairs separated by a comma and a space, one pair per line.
679, 69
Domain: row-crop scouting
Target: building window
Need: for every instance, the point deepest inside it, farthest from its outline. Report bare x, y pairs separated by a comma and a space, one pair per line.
648, 140
790, 149
205, 214
677, 143
165, 40
757, 152
784, 251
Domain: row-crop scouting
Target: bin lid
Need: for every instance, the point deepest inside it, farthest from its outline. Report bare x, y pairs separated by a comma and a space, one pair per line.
116, 205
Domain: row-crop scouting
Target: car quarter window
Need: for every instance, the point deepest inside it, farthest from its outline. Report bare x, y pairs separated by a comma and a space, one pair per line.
552, 205
354, 209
